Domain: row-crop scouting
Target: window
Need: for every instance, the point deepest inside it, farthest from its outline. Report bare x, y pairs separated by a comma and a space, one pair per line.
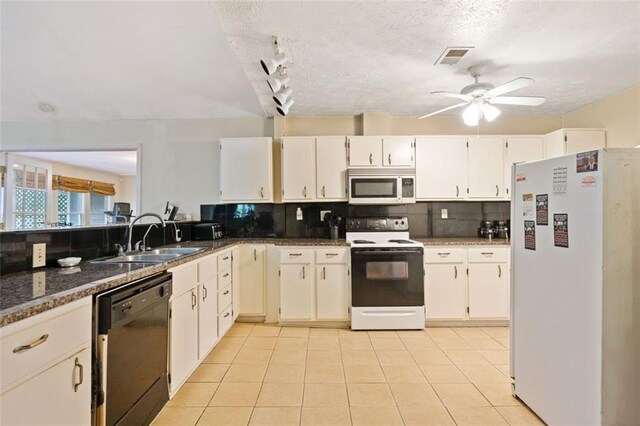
70, 208
30, 196
98, 205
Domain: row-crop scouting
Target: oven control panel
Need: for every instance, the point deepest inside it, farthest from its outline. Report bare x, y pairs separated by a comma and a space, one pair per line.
373, 224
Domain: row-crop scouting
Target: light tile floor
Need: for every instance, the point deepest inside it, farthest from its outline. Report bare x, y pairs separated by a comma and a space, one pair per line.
268, 375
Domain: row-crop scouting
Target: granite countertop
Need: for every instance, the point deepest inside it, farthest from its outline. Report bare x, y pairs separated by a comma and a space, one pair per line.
20, 299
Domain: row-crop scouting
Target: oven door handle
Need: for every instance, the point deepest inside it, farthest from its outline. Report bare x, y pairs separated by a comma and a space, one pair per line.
366, 252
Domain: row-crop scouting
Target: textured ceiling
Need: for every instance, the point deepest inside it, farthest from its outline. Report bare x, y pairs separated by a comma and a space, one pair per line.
121, 163
108, 60
354, 57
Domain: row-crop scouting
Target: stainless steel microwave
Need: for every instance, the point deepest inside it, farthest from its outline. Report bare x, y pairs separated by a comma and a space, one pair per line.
382, 186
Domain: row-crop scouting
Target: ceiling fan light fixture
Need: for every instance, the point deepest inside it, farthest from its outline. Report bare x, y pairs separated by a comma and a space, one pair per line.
281, 97
490, 112
270, 65
472, 114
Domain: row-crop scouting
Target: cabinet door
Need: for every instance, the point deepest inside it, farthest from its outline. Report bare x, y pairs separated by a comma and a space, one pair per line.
332, 292
441, 168
445, 291
298, 169
486, 167
488, 290
51, 397
365, 151
207, 316
252, 282
584, 140
246, 170
183, 357
397, 151
520, 149
331, 168
296, 291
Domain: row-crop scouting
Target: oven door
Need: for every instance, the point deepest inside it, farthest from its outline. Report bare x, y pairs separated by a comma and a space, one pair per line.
387, 277
374, 190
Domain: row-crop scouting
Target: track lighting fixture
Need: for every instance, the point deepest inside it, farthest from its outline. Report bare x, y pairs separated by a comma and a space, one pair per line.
270, 65
276, 83
281, 97
284, 109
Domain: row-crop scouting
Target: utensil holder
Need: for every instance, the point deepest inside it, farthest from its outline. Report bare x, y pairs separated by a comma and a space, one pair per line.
333, 232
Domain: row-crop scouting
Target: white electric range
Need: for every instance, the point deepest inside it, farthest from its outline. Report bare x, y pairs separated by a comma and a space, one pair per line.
387, 275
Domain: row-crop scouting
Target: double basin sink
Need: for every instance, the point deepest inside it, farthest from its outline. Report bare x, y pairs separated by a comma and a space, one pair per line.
160, 255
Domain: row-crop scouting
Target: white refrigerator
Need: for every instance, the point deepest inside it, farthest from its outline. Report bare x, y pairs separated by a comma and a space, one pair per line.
575, 287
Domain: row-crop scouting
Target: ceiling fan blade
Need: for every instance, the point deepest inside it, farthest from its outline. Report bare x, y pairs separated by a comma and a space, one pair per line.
518, 100
444, 109
516, 84
453, 95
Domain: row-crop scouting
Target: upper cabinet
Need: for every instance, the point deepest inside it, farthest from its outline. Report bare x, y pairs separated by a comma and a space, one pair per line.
398, 151
246, 170
377, 151
298, 169
364, 151
331, 168
520, 149
441, 167
571, 141
486, 167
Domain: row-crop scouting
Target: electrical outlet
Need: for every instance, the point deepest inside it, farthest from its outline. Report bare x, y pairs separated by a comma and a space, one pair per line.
322, 213
39, 284
39, 255
444, 214
299, 213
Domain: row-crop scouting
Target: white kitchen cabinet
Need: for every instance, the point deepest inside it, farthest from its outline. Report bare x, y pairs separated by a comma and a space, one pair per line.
296, 291
183, 356
246, 170
572, 141
520, 149
441, 168
207, 317
488, 283
235, 281
398, 151
298, 168
365, 151
486, 167
332, 292
252, 279
445, 283
331, 168
60, 395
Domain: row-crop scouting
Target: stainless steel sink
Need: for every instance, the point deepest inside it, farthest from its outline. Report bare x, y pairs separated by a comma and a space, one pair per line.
152, 256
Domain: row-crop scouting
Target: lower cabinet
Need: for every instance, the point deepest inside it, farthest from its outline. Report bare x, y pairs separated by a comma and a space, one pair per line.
184, 337
207, 317
296, 291
488, 283
332, 292
58, 395
252, 280
445, 285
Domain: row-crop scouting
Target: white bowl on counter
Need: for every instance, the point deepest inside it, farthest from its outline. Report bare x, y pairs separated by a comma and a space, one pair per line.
69, 261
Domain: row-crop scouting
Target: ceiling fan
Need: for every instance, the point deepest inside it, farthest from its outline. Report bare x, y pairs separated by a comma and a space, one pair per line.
481, 98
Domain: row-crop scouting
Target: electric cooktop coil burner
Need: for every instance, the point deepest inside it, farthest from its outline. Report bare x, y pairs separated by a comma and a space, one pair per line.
400, 241
363, 242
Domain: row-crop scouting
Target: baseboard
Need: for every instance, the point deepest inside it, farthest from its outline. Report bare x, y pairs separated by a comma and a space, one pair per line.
251, 318
467, 323
316, 324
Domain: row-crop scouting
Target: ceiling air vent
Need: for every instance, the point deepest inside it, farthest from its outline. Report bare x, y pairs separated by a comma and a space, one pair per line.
452, 55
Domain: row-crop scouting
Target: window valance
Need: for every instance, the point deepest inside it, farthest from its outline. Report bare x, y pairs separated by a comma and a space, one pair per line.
71, 184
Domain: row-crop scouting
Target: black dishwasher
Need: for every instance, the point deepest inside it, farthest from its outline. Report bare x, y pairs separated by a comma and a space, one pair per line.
132, 342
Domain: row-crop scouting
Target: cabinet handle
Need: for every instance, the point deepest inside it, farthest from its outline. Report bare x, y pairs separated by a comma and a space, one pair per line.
389, 158
226, 315
37, 342
487, 253
80, 368
323, 192
225, 258
255, 255
225, 275
194, 300
206, 293
370, 158
443, 254
261, 192
225, 293
330, 254
499, 272
303, 273
455, 270
457, 191
295, 254
497, 190
304, 192
324, 273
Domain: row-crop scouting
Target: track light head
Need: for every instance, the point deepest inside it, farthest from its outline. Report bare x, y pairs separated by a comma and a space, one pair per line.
281, 97
276, 83
284, 109
270, 65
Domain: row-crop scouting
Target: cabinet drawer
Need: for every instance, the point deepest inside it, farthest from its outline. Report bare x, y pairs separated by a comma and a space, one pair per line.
488, 254
332, 256
207, 268
224, 261
50, 336
184, 278
225, 319
224, 298
445, 255
296, 256
224, 279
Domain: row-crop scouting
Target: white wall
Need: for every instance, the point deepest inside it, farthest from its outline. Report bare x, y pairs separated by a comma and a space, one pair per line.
179, 158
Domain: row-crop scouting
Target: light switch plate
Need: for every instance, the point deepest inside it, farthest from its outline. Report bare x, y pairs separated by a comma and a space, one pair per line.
444, 214
39, 255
